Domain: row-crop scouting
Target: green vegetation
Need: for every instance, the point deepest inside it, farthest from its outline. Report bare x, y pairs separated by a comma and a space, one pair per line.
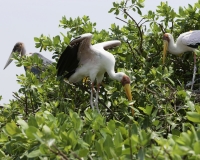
51, 119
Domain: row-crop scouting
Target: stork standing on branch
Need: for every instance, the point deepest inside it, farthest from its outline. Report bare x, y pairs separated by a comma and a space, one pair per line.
187, 41
81, 59
20, 49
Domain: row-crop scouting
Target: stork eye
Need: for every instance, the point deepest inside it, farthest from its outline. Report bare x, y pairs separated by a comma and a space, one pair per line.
166, 37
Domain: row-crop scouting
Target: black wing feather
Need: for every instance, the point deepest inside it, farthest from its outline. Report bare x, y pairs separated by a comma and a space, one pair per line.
194, 45
68, 61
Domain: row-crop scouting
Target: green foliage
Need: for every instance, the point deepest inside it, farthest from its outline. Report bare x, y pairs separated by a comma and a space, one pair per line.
51, 119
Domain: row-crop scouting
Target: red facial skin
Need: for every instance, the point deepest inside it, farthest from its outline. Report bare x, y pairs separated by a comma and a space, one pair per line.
125, 80
166, 37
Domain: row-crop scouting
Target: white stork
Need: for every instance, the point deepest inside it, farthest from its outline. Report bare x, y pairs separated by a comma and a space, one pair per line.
19, 48
187, 41
81, 59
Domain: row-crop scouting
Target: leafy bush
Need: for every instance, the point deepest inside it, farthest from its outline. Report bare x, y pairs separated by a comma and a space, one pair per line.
51, 119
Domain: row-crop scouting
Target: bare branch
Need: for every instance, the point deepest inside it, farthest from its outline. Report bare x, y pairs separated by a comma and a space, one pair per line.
121, 20
139, 29
58, 152
133, 51
31, 102
18, 98
140, 21
161, 27
172, 28
76, 156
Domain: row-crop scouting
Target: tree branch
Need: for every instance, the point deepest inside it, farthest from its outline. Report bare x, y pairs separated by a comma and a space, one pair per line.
33, 109
139, 29
121, 20
133, 51
140, 21
161, 27
18, 98
26, 104
58, 152
172, 28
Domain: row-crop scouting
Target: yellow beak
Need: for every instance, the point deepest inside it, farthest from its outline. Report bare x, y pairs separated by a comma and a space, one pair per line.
127, 89
165, 50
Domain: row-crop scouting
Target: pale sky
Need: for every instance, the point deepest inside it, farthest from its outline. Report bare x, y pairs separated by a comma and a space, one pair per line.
23, 20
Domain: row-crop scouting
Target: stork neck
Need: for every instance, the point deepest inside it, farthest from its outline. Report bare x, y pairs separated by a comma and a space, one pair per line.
174, 47
113, 75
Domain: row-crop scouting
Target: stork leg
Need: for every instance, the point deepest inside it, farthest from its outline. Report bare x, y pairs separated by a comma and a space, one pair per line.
91, 96
194, 71
97, 97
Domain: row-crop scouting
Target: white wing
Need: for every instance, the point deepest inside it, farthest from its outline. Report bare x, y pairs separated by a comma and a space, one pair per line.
191, 38
108, 44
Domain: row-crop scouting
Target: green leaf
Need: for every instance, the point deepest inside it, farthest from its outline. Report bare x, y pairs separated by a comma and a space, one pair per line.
66, 40
141, 154
197, 5
146, 110
125, 16
88, 115
12, 129
108, 143
46, 42
44, 149
23, 124
37, 45
190, 104
83, 152
118, 138
135, 138
32, 131
181, 12
197, 147
111, 126
193, 116
2, 154
156, 122
77, 123
99, 147
34, 154
111, 10
36, 39
117, 11
73, 138
56, 40
138, 10
32, 122
197, 107
3, 137
149, 109
46, 130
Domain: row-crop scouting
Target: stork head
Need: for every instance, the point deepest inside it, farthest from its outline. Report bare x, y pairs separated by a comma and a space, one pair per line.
125, 81
166, 39
18, 48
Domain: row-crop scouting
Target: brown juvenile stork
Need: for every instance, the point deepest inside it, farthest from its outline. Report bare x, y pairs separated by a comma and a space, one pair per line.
81, 59
20, 49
